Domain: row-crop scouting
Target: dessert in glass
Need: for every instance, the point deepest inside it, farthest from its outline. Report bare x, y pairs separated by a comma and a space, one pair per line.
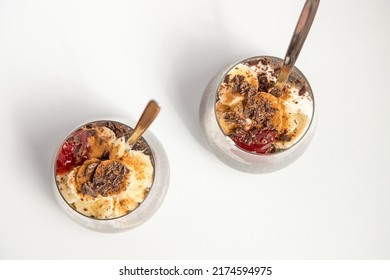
258, 115
106, 184
247, 125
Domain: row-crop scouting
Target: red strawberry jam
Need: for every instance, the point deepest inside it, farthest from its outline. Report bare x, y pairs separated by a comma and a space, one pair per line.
73, 152
255, 141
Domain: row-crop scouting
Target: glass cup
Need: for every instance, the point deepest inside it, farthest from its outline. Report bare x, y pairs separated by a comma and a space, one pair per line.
227, 150
153, 195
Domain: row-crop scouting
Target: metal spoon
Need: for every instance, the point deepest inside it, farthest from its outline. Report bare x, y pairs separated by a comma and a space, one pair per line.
299, 36
149, 114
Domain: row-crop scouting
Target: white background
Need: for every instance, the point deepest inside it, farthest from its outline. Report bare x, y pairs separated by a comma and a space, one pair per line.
63, 62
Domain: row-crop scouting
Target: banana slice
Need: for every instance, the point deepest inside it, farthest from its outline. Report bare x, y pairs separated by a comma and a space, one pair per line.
118, 148
249, 75
240, 78
301, 122
226, 125
85, 173
287, 121
228, 98
101, 142
283, 120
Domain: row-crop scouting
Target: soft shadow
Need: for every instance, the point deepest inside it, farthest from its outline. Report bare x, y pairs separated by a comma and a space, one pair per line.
199, 52
43, 118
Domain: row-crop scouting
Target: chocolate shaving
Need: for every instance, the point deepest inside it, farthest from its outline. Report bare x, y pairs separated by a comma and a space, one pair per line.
284, 136
226, 79
277, 92
106, 155
264, 61
231, 116
252, 62
87, 189
90, 170
302, 91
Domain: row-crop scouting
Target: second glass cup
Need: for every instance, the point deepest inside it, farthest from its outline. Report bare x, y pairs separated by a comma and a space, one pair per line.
250, 129
105, 184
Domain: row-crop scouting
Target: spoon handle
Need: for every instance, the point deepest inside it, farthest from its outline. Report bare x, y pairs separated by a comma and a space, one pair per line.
299, 36
149, 114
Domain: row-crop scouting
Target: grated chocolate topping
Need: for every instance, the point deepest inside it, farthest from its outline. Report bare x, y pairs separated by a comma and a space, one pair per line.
260, 110
108, 178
